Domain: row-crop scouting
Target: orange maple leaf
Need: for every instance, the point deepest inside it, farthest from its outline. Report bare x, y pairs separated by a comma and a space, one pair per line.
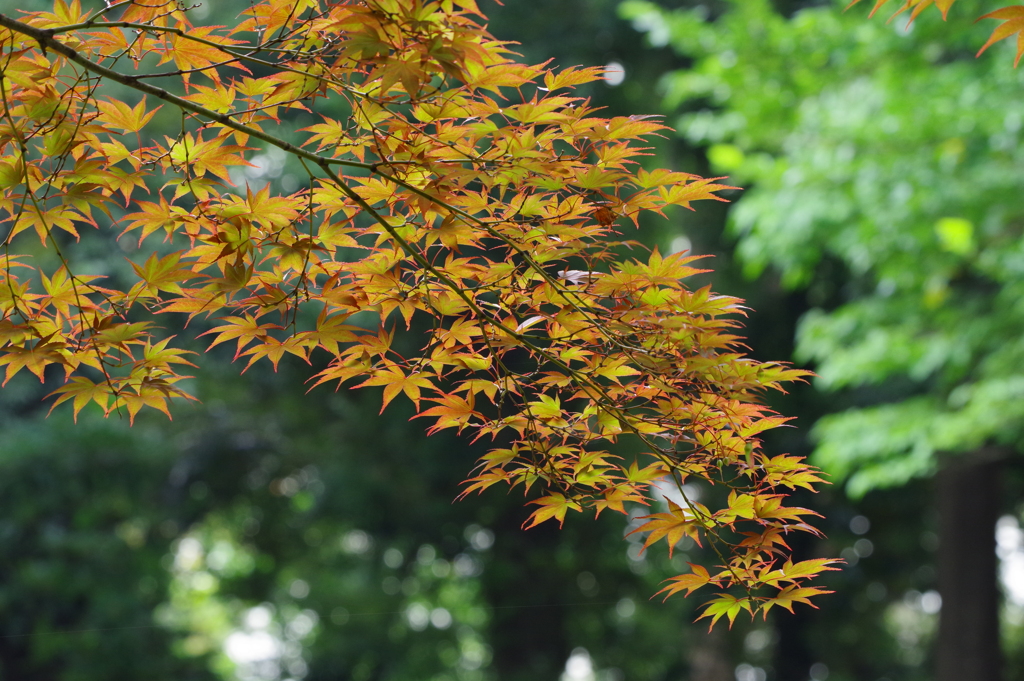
553, 506
1013, 23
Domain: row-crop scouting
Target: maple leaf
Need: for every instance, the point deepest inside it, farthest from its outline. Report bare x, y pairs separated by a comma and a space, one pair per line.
121, 335
572, 76
682, 194
671, 526
204, 156
689, 582
1013, 24
615, 497
553, 506
192, 52
274, 15
451, 411
64, 292
548, 409
460, 332
807, 568
153, 216
64, 13
151, 392
245, 329
396, 381
330, 331
83, 391
162, 274
481, 482
342, 370
646, 475
12, 333
159, 356
35, 358
119, 114
728, 606
790, 595
770, 507
217, 98
194, 302
274, 349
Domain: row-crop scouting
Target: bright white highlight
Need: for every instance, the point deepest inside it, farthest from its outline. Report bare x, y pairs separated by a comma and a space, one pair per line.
1010, 549
246, 648
579, 666
614, 73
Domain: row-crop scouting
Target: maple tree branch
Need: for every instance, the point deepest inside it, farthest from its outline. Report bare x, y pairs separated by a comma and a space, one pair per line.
585, 382
375, 168
49, 231
46, 40
690, 395
234, 51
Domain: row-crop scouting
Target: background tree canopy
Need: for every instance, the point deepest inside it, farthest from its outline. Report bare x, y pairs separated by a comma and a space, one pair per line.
887, 190
270, 534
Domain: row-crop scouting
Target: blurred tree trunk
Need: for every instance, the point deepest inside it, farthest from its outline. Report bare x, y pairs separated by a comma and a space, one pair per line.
968, 493
708, 657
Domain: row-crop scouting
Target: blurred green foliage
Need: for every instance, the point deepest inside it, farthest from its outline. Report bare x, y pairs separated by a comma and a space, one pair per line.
883, 164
